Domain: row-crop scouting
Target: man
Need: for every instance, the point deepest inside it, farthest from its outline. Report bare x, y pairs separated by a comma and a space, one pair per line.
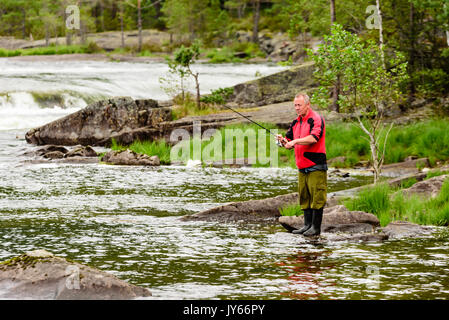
307, 135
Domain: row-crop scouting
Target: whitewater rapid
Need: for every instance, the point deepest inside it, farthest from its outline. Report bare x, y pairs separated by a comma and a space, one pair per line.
33, 93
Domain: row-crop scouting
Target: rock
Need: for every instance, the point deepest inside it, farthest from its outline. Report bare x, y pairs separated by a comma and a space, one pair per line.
81, 152
41, 275
265, 210
427, 188
402, 229
406, 167
337, 219
99, 121
128, 157
54, 155
278, 87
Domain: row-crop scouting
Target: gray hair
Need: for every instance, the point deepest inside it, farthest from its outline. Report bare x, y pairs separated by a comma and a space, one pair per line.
305, 96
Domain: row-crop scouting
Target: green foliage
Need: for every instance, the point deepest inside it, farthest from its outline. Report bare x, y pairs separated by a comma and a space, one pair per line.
292, 210
52, 50
150, 148
388, 206
218, 96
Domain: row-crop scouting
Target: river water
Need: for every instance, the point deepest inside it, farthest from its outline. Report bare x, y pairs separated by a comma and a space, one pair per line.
125, 220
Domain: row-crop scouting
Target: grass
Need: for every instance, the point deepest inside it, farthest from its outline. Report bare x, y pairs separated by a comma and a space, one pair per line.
341, 139
388, 205
345, 139
150, 148
91, 47
291, 210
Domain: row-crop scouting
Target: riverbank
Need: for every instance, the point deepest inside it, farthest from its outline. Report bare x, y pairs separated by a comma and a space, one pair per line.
156, 45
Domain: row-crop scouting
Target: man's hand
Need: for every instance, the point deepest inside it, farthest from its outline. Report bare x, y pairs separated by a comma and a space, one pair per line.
289, 144
281, 139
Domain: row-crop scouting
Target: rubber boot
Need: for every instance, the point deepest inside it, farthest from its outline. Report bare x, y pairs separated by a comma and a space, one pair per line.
315, 229
307, 222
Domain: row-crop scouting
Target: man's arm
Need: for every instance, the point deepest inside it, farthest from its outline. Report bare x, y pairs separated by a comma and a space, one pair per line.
310, 139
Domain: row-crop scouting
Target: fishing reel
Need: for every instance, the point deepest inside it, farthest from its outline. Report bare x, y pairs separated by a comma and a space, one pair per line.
279, 143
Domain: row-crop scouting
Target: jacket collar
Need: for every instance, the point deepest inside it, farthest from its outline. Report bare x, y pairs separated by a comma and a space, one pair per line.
309, 113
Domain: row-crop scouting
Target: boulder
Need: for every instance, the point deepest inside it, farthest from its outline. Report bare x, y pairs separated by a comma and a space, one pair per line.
278, 87
99, 121
128, 157
403, 229
81, 151
337, 219
264, 210
427, 188
40, 275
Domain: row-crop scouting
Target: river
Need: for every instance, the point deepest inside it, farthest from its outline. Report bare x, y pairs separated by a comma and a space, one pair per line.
125, 220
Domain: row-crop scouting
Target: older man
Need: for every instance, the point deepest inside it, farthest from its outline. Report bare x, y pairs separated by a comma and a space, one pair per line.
307, 135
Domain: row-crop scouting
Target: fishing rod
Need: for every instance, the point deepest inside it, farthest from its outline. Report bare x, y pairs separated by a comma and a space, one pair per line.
269, 131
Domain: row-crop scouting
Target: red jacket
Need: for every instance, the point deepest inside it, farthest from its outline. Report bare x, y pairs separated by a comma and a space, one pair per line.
313, 154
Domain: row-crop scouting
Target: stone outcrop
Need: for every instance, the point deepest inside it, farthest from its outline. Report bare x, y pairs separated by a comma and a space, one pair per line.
99, 121
265, 210
42, 276
278, 87
61, 154
128, 157
337, 219
403, 229
429, 188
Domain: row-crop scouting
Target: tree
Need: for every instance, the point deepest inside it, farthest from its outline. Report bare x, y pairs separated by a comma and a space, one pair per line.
181, 64
367, 87
256, 18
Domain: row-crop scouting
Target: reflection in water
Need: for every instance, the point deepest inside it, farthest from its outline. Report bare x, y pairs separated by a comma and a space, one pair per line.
305, 269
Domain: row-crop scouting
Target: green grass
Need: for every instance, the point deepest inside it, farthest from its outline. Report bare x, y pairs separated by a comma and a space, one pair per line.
388, 205
52, 50
291, 210
423, 139
150, 148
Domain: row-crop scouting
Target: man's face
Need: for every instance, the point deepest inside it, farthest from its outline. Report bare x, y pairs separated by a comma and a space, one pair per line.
301, 107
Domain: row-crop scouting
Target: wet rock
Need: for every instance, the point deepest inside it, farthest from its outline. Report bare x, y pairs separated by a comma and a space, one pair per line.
265, 210
128, 157
54, 155
358, 237
99, 121
81, 151
403, 229
41, 275
337, 219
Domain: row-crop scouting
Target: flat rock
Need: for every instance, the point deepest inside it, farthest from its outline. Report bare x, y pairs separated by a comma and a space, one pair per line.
404, 229
337, 219
264, 210
40, 275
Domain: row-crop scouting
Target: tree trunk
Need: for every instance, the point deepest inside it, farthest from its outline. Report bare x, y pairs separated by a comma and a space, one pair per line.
412, 52
139, 23
336, 96
121, 25
256, 4
198, 97
333, 15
